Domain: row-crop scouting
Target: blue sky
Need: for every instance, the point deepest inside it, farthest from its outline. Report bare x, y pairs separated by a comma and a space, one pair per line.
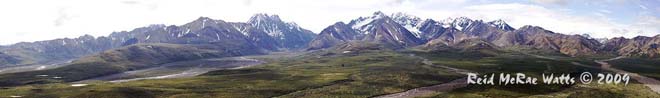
627, 18
622, 11
27, 21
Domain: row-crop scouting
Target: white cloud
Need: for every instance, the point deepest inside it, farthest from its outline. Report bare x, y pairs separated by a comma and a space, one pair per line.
551, 2
561, 21
605, 11
643, 7
646, 25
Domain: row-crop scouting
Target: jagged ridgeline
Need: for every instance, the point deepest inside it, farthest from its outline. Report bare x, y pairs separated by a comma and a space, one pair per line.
261, 33
402, 31
368, 56
270, 33
264, 33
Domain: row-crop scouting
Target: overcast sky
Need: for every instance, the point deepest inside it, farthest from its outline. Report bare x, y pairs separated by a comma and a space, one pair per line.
34, 20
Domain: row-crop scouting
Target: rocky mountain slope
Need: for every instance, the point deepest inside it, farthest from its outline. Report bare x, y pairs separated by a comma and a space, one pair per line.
378, 28
262, 32
270, 32
399, 30
638, 46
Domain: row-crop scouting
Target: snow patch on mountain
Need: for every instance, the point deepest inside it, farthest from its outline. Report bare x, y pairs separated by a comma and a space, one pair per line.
203, 24
414, 30
183, 33
359, 24
217, 36
500, 24
363, 24
459, 23
409, 22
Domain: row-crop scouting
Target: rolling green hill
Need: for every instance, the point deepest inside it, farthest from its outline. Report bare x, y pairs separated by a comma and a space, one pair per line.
366, 73
123, 59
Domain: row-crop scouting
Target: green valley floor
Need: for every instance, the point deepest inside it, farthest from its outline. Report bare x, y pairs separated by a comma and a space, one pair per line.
359, 74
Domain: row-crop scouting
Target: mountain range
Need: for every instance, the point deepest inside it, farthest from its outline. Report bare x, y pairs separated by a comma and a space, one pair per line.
264, 33
400, 30
260, 34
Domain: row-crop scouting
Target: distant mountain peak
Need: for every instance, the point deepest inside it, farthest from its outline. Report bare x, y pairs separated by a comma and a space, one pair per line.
641, 38
458, 23
379, 14
499, 21
530, 27
409, 22
362, 23
403, 15
501, 24
263, 17
457, 19
463, 18
198, 23
204, 18
270, 24
340, 23
378, 28
199, 20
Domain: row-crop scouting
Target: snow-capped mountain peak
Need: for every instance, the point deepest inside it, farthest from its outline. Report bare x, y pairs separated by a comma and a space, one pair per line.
278, 33
269, 24
403, 18
378, 14
294, 26
262, 17
410, 22
457, 20
461, 23
498, 22
362, 23
501, 24
400, 15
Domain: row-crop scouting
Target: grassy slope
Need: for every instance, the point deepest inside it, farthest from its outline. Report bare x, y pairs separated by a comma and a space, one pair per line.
356, 74
112, 61
633, 90
363, 75
643, 66
516, 62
